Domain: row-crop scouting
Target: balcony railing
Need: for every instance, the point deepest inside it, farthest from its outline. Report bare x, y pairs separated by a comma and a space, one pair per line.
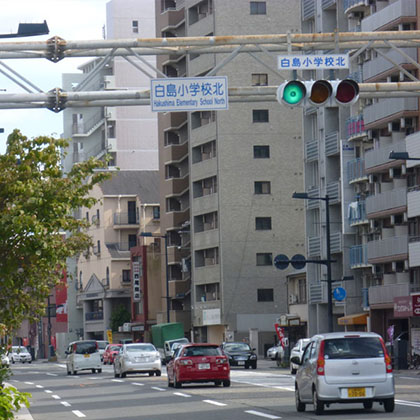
388, 248
356, 170
387, 200
355, 126
94, 316
312, 150
386, 293
129, 218
379, 156
359, 256
332, 144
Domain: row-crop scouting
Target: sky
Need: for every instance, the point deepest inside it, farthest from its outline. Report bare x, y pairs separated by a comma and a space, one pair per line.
68, 19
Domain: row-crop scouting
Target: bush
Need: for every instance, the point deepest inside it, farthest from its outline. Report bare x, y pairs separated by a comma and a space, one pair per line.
10, 401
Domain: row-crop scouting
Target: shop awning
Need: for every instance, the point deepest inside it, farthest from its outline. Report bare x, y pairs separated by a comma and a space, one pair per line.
354, 319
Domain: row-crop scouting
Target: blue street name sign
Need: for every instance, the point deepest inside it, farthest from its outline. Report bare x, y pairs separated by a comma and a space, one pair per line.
189, 94
313, 61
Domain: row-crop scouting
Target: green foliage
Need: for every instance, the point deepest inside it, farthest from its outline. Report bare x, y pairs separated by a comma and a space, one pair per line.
119, 316
10, 400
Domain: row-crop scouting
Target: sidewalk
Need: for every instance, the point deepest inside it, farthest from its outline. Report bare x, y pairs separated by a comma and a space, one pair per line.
23, 413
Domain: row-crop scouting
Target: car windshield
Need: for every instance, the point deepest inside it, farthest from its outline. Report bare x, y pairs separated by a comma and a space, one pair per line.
140, 347
114, 348
19, 350
88, 347
102, 345
237, 347
353, 348
202, 351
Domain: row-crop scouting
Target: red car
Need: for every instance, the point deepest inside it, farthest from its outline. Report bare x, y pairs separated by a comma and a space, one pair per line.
198, 363
110, 351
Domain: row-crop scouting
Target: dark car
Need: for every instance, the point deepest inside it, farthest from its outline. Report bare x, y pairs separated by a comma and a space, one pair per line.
240, 354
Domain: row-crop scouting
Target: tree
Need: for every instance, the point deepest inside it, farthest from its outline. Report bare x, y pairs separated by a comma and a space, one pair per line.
119, 316
38, 229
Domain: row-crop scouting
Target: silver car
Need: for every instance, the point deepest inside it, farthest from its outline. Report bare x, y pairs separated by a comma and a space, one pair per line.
344, 368
137, 358
298, 350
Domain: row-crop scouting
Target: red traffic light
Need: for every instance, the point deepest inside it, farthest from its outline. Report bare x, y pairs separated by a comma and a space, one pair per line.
347, 92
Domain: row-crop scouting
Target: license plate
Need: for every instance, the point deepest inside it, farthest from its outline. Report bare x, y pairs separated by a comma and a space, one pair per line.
87, 355
356, 392
241, 363
204, 366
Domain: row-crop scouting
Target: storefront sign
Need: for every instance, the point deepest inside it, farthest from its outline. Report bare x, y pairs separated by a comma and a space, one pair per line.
403, 306
416, 305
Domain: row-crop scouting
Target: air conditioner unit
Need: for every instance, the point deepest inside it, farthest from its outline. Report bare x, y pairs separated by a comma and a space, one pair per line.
292, 299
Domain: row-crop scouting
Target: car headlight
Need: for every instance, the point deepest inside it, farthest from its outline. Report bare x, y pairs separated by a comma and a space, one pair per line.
253, 357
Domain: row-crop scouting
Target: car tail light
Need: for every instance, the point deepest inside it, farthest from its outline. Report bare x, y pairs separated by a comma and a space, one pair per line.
320, 363
388, 361
186, 362
221, 361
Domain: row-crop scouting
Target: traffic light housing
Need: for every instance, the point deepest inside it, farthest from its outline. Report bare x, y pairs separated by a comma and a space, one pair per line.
318, 92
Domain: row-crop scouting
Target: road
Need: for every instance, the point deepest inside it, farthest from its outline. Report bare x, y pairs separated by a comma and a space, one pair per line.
265, 393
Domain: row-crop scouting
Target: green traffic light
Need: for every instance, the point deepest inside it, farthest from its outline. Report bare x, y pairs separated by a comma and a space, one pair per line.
293, 93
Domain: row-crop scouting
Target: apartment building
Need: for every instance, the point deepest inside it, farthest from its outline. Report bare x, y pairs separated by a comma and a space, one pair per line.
128, 205
371, 217
227, 178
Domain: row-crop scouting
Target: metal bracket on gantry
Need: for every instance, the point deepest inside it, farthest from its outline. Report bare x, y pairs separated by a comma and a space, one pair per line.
55, 49
57, 99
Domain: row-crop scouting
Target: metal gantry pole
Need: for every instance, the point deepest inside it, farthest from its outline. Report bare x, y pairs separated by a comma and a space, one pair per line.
168, 315
329, 274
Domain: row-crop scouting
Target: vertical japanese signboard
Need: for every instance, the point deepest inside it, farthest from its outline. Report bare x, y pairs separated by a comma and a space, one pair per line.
137, 270
189, 94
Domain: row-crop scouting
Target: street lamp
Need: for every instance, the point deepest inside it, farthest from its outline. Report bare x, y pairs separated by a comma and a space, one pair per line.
401, 155
306, 196
165, 237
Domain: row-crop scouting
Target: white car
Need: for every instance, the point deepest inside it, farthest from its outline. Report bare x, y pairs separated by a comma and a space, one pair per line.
344, 367
297, 350
276, 353
83, 355
137, 358
20, 354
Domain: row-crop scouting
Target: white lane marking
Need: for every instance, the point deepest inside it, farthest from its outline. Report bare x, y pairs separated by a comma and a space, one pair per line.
137, 383
285, 388
410, 377
52, 374
61, 365
117, 380
158, 389
56, 397
219, 404
180, 394
29, 383
408, 403
39, 386
257, 413
48, 391
65, 403
78, 413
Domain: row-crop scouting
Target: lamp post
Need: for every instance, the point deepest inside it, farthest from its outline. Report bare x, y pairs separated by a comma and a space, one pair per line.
305, 196
165, 237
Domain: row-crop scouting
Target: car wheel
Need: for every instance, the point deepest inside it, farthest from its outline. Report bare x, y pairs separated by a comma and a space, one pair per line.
368, 405
73, 372
150, 373
246, 366
292, 371
176, 383
93, 370
300, 406
217, 383
226, 383
116, 375
254, 365
170, 385
99, 370
158, 373
30, 361
318, 405
123, 374
68, 372
13, 361
389, 405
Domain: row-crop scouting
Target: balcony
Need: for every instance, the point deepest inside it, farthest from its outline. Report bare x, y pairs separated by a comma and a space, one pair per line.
386, 293
179, 288
381, 66
308, 9
314, 246
413, 201
385, 110
414, 252
356, 170
359, 256
401, 9
380, 156
336, 242
312, 204
94, 316
175, 152
388, 202
334, 192
357, 213
332, 144
388, 249
128, 220
177, 218
177, 185
312, 151
119, 250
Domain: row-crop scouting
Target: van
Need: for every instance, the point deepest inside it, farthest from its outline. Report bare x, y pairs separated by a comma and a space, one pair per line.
83, 355
344, 367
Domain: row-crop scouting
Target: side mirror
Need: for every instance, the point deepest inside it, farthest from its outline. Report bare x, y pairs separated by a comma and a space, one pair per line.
67, 352
296, 360
254, 349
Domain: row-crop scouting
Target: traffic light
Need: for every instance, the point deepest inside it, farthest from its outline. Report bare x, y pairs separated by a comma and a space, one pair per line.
318, 92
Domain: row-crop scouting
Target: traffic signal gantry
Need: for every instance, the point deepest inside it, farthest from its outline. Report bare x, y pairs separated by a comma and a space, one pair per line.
318, 92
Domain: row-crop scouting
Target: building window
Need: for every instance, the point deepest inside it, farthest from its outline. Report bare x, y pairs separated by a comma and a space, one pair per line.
262, 187
263, 223
126, 278
265, 258
265, 295
261, 152
156, 212
259, 79
135, 26
258, 8
260, 115
107, 276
